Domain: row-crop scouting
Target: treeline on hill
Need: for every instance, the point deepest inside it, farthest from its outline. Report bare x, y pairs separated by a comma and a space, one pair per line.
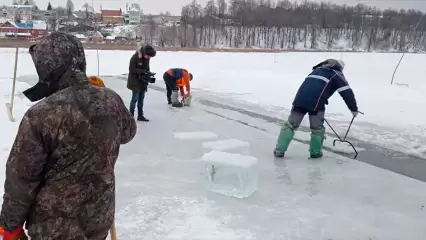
286, 24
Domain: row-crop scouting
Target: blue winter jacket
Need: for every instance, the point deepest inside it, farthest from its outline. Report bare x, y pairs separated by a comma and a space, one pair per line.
177, 72
319, 86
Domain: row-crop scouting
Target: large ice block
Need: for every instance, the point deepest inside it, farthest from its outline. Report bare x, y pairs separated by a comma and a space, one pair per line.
230, 174
229, 145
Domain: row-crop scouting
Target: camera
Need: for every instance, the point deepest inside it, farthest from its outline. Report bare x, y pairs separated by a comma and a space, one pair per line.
148, 77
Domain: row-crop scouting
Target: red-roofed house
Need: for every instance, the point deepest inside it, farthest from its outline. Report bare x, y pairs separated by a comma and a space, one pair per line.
22, 30
112, 16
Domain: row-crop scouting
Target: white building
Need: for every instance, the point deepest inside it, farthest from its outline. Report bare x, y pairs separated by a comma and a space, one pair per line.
21, 12
133, 15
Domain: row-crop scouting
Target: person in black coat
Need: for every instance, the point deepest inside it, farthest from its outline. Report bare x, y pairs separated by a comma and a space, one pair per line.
138, 72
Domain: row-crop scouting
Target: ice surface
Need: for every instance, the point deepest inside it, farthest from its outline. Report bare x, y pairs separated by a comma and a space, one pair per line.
161, 194
194, 135
230, 174
380, 125
231, 145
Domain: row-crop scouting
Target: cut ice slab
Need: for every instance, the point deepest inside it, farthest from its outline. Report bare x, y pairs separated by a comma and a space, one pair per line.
195, 135
342, 147
230, 174
234, 145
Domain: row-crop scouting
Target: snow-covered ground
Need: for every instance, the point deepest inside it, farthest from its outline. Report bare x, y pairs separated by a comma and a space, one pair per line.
160, 191
394, 114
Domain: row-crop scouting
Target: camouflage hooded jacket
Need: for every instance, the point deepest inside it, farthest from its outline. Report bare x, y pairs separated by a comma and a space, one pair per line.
60, 172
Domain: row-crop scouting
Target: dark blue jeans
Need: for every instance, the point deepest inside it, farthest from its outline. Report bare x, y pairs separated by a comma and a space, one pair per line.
137, 97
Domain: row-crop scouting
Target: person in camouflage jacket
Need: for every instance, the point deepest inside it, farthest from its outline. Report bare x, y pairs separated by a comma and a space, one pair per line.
60, 172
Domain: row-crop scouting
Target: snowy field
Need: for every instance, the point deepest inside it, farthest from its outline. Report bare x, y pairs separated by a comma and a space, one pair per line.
394, 114
160, 191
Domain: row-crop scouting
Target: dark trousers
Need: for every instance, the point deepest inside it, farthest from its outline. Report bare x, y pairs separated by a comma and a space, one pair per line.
137, 97
170, 85
316, 119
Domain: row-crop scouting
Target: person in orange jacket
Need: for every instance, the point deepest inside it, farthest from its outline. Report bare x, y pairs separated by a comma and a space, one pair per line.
177, 79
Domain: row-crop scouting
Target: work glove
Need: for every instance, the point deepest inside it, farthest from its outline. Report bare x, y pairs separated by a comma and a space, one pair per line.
17, 234
355, 113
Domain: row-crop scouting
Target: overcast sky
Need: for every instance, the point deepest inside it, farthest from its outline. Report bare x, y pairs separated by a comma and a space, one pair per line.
175, 6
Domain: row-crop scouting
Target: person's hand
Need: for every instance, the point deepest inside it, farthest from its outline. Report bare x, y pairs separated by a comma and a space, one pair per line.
354, 114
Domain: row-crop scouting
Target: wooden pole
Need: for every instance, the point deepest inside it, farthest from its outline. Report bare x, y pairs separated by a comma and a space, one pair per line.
97, 53
12, 100
113, 232
9, 106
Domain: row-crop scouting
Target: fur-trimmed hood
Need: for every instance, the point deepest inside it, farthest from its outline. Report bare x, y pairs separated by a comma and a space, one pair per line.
331, 63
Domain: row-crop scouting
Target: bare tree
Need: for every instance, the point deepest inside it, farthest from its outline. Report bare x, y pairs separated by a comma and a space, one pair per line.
287, 24
185, 21
61, 11
69, 7
195, 16
18, 18
152, 29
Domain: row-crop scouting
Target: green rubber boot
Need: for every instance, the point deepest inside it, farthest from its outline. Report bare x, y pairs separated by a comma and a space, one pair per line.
286, 135
317, 139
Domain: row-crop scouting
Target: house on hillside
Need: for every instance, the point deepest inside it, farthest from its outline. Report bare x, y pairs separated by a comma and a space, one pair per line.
83, 17
112, 17
161, 20
134, 15
81, 37
97, 37
76, 28
27, 29
78, 15
18, 12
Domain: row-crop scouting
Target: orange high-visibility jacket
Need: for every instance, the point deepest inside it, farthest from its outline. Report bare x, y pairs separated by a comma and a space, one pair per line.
96, 81
183, 79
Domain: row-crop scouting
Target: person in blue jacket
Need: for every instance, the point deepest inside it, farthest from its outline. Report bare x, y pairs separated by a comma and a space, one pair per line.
311, 98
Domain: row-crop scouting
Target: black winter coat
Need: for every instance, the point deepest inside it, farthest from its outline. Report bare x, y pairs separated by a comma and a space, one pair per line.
137, 66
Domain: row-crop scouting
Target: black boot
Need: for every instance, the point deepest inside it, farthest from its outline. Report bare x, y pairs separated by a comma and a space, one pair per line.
315, 156
141, 116
143, 119
279, 154
177, 105
169, 101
